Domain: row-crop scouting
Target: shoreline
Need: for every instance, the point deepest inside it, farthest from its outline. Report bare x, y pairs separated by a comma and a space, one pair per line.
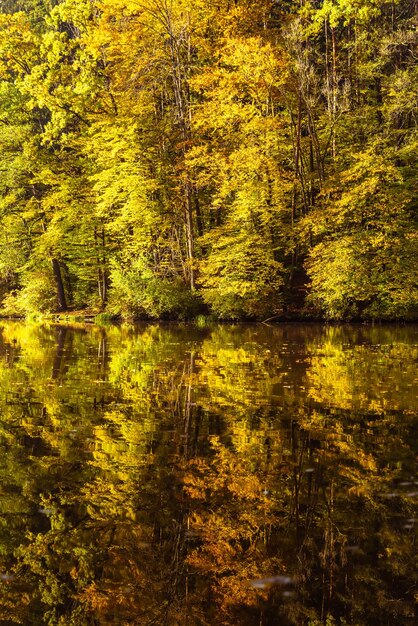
100, 319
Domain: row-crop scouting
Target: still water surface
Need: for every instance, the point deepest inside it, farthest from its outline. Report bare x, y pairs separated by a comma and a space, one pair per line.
230, 475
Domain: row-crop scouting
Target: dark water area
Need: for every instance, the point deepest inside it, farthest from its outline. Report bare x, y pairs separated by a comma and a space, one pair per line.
228, 475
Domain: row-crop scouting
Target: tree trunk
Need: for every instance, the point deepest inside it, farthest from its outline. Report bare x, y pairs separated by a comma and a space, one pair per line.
190, 238
62, 302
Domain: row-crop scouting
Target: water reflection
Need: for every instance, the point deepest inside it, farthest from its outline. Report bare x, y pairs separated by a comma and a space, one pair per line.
231, 475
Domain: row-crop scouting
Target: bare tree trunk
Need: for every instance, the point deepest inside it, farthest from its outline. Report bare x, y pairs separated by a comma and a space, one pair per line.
62, 302
104, 268
334, 90
180, 63
56, 269
102, 278
189, 237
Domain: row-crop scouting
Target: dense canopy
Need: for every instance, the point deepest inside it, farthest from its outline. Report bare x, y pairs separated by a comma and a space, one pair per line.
246, 158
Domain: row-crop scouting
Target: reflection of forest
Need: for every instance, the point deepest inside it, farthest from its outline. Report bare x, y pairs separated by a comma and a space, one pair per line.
231, 475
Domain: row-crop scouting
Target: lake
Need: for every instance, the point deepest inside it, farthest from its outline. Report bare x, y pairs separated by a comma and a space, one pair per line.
167, 474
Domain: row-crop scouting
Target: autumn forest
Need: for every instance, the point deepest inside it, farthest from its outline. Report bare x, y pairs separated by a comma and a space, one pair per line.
238, 159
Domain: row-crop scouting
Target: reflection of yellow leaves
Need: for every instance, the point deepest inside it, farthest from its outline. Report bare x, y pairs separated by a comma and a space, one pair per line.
232, 546
359, 490
96, 599
357, 376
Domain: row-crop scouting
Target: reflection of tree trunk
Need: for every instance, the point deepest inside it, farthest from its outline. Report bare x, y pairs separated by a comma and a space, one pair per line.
328, 557
197, 424
296, 482
102, 356
188, 407
102, 359
56, 365
62, 302
331, 544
